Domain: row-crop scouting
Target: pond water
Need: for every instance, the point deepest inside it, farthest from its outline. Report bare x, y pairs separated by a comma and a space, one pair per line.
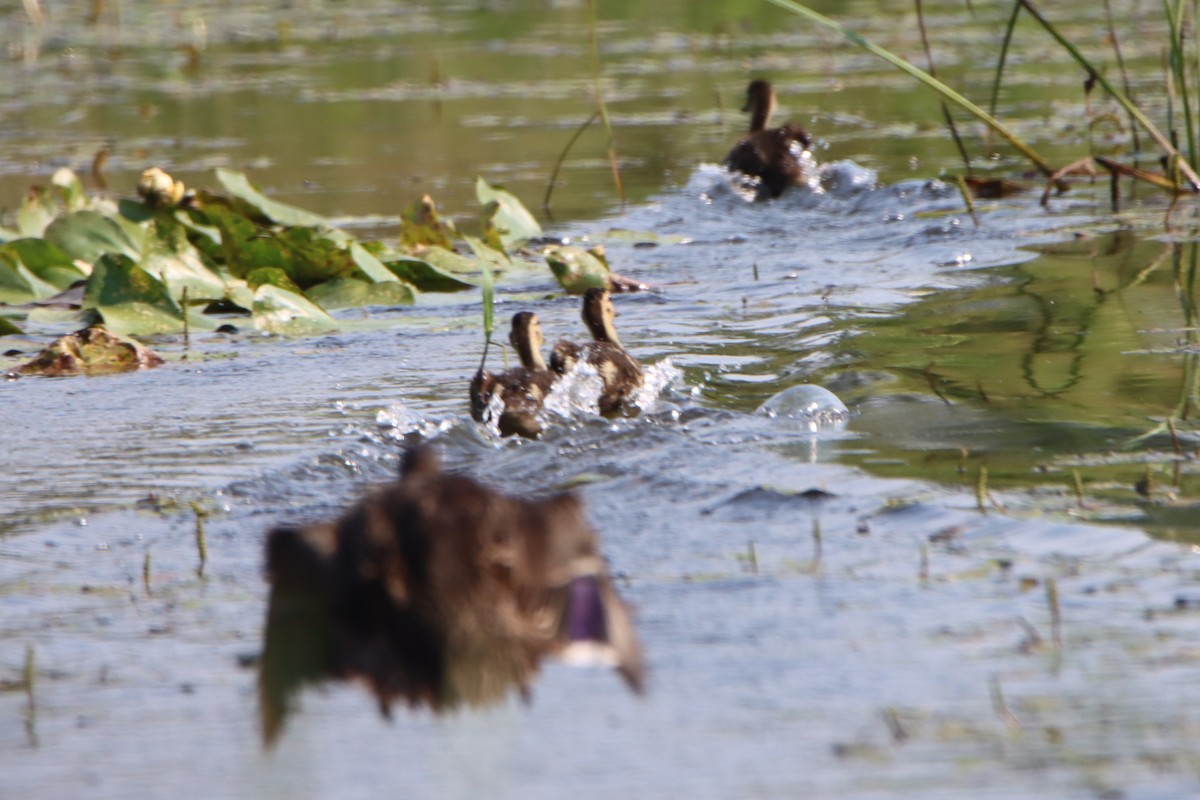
907, 632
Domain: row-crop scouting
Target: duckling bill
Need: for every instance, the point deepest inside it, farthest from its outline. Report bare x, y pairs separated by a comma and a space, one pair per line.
771, 156
522, 389
620, 372
437, 591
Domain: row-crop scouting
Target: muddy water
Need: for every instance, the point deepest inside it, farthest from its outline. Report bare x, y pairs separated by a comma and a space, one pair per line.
886, 641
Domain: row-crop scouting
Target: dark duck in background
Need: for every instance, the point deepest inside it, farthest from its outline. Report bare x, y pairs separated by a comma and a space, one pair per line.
769, 155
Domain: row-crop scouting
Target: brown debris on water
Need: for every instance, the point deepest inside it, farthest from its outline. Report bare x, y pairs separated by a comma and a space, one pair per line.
437, 591
91, 351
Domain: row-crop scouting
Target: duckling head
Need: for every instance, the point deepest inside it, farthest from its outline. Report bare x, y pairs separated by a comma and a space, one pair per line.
760, 104
527, 339
598, 315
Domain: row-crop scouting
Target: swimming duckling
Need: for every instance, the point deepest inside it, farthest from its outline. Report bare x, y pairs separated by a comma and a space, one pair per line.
620, 372
768, 154
436, 590
523, 388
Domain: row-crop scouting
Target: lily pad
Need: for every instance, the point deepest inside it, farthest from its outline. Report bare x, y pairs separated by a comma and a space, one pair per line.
426, 276
511, 222
352, 293
44, 260
88, 235
238, 185
271, 276
90, 351
131, 300
288, 314
370, 266
449, 261
421, 226
171, 257
18, 285
576, 269
8, 327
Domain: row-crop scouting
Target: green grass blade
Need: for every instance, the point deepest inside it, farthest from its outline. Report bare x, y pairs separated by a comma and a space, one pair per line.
1178, 62
489, 298
1148, 126
600, 104
924, 77
1008, 33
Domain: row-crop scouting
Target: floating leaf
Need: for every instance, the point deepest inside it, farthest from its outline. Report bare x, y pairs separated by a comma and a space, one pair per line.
91, 350
38, 209
426, 276
288, 314
169, 255
353, 292
88, 235
421, 226
8, 327
239, 293
369, 265
496, 259
449, 261
18, 285
44, 260
511, 221
131, 300
271, 276
70, 189
576, 269
238, 185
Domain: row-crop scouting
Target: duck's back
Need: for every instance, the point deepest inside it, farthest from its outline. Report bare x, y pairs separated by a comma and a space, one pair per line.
771, 156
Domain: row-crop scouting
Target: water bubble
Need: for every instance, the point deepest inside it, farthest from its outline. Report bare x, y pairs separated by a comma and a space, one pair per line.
818, 408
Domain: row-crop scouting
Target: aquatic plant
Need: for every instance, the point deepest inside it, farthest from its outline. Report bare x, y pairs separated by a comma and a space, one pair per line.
1180, 175
170, 260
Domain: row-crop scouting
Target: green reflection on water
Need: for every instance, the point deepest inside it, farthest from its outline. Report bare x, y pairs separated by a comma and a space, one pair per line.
1072, 361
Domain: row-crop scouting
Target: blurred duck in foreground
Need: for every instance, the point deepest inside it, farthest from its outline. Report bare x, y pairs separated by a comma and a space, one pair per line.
769, 155
620, 372
438, 591
522, 389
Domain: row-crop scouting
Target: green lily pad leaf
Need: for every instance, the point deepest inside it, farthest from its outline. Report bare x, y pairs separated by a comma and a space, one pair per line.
353, 292
420, 226
449, 261
135, 210
512, 223
8, 327
286, 313
169, 255
38, 209
44, 260
71, 189
239, 293
88, 235
577, 270
238, 185
369, 265
132, 301
426, 276
91, 351
496, 259
18, 285
271, 276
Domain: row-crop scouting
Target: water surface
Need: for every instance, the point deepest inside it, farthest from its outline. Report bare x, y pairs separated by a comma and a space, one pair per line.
888, 640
